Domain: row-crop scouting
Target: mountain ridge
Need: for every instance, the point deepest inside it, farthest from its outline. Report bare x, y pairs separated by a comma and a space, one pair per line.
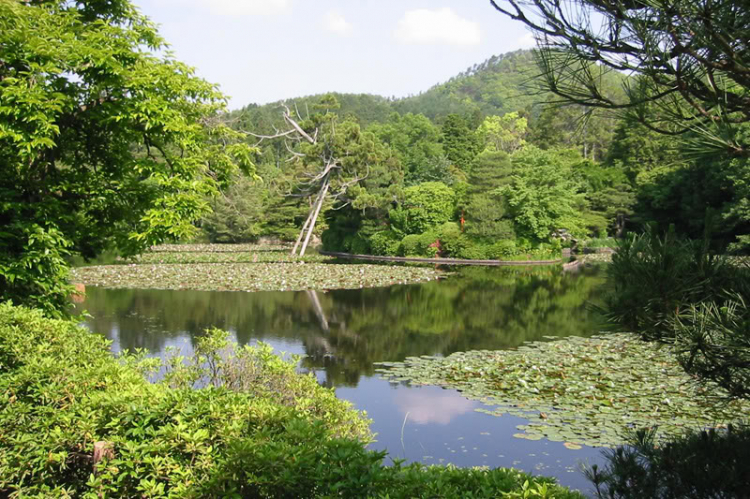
500, 84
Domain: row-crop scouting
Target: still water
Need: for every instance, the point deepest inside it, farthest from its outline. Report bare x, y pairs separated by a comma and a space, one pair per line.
343, 332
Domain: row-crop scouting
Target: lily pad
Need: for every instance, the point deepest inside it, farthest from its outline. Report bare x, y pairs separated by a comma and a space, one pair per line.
583, 391
250, 276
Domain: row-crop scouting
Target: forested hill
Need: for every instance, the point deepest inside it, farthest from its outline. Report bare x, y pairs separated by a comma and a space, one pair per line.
499, 85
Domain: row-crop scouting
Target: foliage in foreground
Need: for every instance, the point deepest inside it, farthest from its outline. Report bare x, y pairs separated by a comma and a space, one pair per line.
701, 465
672, 289
105, 141
231, 422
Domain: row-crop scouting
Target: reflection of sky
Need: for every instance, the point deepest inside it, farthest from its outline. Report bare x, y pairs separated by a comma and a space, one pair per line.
444, 428
425, 407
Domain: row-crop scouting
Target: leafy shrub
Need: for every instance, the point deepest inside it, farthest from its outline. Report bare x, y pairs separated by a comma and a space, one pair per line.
419, 245
474, 250
451, 239
385, 243
255, 428
503, 249
707, 464
359, 245
523, 244
33, 270
61, 391
409, 246
485, 218
741, 246
424, 207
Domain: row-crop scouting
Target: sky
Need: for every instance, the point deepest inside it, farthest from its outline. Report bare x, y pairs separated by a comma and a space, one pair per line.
262, 51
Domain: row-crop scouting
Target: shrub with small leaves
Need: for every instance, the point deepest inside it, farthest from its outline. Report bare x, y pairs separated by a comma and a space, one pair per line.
228, 421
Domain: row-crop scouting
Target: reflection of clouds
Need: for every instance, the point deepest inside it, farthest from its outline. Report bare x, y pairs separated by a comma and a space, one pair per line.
429, 407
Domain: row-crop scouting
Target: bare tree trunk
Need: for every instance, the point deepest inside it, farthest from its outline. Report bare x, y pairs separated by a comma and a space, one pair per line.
310, 229
302, 231
307, 222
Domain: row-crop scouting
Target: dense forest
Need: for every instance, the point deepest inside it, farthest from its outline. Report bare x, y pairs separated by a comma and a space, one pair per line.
486, 165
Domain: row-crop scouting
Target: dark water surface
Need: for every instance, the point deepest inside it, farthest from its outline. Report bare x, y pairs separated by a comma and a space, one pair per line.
343, 332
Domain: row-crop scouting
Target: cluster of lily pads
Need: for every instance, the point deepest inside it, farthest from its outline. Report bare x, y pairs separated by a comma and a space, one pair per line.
596, 258
218, 248
583, 391
250, 276
249, 255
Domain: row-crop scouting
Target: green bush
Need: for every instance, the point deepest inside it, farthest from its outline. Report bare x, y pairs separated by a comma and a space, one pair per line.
385, 243
702, 465
359, 245
419, 245
485, 218
451, 239
228, 422
741, 246
503, 249
424, 207
33, 269
61, 390
474, 250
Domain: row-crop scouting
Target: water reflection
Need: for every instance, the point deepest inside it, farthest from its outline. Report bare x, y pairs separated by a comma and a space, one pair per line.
344, 331
423, 407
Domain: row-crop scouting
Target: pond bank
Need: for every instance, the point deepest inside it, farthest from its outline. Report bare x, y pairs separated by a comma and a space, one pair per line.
443, 261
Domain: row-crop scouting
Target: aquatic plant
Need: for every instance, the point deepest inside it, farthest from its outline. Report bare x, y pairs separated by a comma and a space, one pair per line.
583, 391
251, 276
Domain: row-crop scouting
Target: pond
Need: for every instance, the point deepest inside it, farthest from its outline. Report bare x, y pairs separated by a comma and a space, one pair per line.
343, 332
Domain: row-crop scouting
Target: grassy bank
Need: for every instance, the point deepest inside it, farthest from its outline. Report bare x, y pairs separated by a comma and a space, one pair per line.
232, 422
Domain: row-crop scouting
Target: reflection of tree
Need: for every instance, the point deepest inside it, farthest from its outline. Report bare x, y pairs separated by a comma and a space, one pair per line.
345, 331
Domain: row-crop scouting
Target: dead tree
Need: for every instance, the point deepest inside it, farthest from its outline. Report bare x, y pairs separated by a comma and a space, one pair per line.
316, 184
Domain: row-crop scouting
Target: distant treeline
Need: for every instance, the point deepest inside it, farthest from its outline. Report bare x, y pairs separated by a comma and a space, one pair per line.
482, 166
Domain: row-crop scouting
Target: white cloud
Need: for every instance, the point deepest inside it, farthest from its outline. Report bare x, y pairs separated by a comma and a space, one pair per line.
245, 7
437, 26
527, 41
335, 22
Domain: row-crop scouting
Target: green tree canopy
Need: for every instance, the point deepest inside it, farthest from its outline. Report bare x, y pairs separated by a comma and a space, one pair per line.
416, 140
424, 206
460, 143
543, 195
485, 211
103, 142
503, 133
